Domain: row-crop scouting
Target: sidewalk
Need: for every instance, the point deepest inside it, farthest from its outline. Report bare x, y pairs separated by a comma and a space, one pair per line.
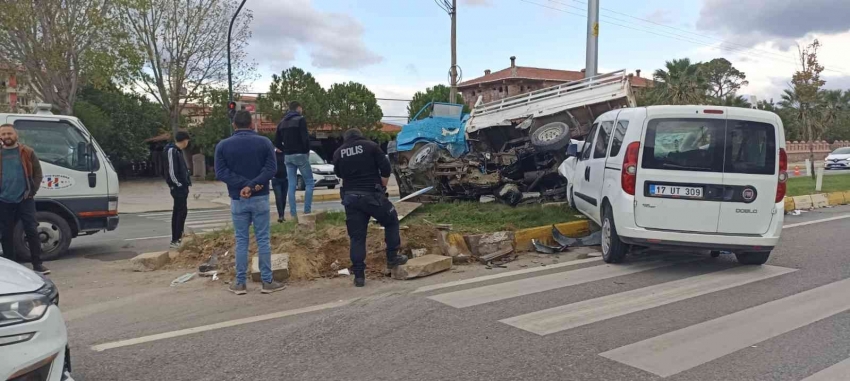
152, 195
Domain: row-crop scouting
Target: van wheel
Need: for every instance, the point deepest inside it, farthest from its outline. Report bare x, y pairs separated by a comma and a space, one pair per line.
53, 232
753, 258
613, 250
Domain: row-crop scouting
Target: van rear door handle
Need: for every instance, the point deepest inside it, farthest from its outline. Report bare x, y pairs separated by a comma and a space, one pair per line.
587, 174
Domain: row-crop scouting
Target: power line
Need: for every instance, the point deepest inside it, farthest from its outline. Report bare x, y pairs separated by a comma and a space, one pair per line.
668, 34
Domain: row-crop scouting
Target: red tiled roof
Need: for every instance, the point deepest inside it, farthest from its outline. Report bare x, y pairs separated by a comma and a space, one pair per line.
527, 73
640, 81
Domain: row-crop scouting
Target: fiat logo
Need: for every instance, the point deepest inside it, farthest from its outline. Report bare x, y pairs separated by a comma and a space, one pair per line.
749, 194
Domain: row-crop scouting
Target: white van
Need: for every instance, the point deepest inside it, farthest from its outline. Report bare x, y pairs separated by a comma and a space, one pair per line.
79, 191
682, 177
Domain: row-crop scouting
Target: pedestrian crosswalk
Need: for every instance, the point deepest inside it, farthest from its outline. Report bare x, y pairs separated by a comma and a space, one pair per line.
673, 351
197, 221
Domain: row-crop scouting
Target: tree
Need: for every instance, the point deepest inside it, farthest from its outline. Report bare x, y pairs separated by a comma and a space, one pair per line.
833, 109
438, 93
723, 79
682, 83
807, 84
59, 42
119, 121
183, 44
352, 105
295, 84
733, 100
216, 125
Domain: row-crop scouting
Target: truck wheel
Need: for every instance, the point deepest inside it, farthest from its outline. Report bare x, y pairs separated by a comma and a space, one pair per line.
753, 258
551, 137
423, 157
53, 232
613, 250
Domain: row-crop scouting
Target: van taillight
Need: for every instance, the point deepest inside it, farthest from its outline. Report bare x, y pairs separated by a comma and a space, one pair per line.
630, 164
781, 184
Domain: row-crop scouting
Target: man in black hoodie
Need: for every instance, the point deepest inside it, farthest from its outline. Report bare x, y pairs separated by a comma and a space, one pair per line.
178, 179
293, 140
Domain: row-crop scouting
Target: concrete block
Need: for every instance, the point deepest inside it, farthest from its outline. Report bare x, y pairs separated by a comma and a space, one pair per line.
789, 204
453, 244
150, 261
803, 202
422, 266
847, 197
484, 244
280, 268
836, 198
819, 201
307, 222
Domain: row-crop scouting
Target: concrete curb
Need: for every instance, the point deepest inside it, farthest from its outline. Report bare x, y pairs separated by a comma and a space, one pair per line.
457, 243
817, 200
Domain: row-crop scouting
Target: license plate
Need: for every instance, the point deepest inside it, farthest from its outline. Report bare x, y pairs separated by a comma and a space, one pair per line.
330, 178
676, 191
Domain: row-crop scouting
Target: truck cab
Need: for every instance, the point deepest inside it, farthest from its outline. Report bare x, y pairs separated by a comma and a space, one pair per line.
79, 191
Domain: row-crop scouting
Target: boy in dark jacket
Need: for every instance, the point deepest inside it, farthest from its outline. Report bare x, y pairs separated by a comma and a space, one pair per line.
178, 179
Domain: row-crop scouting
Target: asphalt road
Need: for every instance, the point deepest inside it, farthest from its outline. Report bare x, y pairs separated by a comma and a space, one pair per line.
676, 316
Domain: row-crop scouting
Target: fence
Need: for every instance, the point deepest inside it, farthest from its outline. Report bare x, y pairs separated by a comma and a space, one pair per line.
799, 151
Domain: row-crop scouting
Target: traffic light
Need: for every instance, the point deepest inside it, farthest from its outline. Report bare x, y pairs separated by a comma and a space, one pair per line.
231, 109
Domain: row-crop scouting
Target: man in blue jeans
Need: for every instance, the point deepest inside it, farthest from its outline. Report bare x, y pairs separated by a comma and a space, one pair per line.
246, 162
293, 139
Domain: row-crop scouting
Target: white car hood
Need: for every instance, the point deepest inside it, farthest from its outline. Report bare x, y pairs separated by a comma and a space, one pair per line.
16, 279
839, 157
324, 167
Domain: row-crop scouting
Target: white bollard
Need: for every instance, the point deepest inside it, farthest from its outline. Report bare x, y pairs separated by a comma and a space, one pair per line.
808, 167
819, 181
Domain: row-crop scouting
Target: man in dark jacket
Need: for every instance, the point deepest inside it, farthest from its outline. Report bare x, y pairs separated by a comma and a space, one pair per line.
280, 186
246, 162
365, 172
20, 179
293, 139
178, 179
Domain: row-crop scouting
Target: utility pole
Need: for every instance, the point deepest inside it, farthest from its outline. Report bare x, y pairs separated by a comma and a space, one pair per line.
450, 6
592, 58
229, 69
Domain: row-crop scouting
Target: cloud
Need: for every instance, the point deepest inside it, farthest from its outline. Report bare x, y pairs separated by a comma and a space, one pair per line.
332, 40
783, 22
411, 69
660, 16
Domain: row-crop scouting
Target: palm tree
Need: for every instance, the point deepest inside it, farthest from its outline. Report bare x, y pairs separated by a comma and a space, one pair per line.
791, 112
681, 83
832, 111
733, 100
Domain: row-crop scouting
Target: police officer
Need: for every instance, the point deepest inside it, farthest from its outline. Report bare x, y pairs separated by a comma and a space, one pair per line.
365, 172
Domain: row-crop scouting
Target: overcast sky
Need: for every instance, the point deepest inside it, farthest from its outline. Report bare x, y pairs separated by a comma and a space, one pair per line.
397, 47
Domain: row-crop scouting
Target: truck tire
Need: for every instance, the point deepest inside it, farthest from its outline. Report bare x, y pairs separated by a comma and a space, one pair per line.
613, 249
551, 137
54, 233
752, 258
423, 157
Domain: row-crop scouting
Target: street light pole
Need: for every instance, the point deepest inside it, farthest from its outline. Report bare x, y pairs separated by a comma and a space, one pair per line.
229, 69
453, 92
592, 53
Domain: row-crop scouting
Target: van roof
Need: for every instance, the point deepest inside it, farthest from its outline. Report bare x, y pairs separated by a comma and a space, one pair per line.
3, 117
725, 109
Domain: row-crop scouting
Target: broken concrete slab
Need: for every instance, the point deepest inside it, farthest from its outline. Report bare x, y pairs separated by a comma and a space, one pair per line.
150, 261
279, 265
484, 244
416, 253
422, 266
819, 201
494, 256
404, 208
453, 244
803, 202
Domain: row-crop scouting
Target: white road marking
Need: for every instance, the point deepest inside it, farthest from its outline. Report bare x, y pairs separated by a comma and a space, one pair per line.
680, 350
789, 226
507, 290
191, 212
595, 310
503, 275
144, 238
211, 327
837, 372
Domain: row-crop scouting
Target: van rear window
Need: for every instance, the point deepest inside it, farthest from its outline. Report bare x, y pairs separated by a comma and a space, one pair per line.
710, 145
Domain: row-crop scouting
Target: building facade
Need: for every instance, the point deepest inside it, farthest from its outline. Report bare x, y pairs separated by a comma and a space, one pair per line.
516, 80
16, 95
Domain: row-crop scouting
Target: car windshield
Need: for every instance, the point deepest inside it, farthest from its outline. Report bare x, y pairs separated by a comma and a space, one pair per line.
315, 159
842, 151
442, 110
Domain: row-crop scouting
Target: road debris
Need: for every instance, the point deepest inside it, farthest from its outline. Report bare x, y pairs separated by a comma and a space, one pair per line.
344, 272
210, 265
496, 255
182, 279
543, 248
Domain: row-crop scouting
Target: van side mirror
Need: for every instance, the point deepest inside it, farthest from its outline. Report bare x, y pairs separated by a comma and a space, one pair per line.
572, 150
